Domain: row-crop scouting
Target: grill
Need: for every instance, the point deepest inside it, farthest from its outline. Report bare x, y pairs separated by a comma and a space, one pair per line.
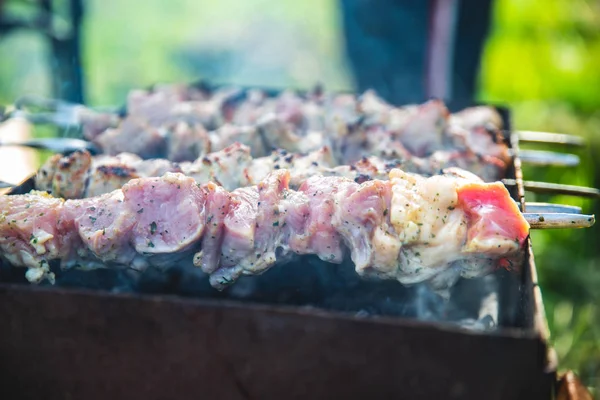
327, 334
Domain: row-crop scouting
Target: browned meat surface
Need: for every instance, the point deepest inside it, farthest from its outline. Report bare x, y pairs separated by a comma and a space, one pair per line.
65, 176
234, 167
105, 178
80, 175
227, 168
231, 168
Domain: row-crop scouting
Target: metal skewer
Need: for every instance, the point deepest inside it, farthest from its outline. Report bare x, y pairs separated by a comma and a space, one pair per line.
559, 220
550, 138
5, 185
548, 158
555, 188
536, 220
56, 145
551, 208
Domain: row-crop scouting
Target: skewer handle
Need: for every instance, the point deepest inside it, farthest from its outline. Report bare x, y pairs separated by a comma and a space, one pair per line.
559, 220
550, 138
555, 188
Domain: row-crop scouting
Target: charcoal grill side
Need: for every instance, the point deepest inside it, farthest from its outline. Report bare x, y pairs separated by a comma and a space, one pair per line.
60, 344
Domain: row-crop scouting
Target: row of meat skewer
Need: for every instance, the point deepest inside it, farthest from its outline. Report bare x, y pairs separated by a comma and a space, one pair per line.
234, 185
407, 228
334, 135
183, 124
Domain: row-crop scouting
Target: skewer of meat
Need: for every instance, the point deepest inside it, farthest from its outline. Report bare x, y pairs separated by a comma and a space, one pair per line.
408, 228
311, 111
80, 175
166, 124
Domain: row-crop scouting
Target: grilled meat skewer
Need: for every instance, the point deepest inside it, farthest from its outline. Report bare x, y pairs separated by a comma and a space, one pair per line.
170, 123
408, 228
80, 175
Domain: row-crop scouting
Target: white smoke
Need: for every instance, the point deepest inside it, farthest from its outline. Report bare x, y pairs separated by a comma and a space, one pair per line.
264, 51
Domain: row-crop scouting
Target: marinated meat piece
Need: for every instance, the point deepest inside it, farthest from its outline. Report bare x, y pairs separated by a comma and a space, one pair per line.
319, 236
178, 220
186, 142
226, 167
301, 166
94, 123
203, 113
107, 178
477, 117
110, 173
154, 167
238, 236
289, 107
65, 176
367, 230
431, 226
33, 232
116, 229
133, 136
494, 221
217, 208
230, 134
246, 109
269, 223
45, 175
276, 134
154, 107
104, 225
424, 132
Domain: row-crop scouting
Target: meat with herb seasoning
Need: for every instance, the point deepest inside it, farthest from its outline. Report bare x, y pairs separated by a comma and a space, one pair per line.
408, 228
80, 175
182, 125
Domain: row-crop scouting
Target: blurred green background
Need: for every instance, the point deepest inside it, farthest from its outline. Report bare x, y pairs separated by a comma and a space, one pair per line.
542, 59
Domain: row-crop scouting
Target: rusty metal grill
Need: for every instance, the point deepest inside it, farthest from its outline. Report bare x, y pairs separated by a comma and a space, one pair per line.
171, 336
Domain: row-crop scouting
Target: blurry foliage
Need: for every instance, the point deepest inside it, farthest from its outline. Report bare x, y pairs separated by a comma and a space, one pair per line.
542, 58
545, 50
260, 42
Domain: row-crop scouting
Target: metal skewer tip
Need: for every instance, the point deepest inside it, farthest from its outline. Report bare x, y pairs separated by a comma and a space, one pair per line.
6, 185
550, 138
551, 208
56, 145
548, 158
559, 220
555, 188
